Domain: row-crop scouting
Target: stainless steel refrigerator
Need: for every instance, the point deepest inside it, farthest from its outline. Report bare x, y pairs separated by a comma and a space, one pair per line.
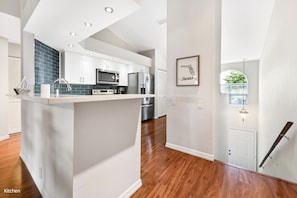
142, 83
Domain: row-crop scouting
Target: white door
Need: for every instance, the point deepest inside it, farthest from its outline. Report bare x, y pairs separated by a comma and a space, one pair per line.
242, 148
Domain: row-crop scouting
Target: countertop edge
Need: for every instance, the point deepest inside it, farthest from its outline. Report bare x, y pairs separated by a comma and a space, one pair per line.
84, 98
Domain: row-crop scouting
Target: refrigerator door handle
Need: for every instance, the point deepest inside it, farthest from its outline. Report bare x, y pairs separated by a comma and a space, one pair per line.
147, 105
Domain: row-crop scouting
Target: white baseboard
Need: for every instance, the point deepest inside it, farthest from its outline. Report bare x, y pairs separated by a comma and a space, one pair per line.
5, 137
190, 151
14, 130
131, 190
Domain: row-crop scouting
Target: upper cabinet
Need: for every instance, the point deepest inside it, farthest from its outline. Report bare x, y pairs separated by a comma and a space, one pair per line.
78, 68
88, 70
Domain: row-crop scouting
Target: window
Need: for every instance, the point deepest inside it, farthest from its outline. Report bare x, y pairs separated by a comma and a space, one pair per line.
235, 84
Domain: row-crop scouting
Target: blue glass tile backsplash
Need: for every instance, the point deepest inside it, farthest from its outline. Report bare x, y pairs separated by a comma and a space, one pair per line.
47, 70
46, 63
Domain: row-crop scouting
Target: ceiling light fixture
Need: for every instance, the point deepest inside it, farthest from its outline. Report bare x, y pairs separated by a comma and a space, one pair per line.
72, 33
108, 9
88, 24
70, 45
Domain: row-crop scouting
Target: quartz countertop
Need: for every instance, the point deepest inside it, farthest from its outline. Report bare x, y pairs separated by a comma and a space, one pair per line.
62, 99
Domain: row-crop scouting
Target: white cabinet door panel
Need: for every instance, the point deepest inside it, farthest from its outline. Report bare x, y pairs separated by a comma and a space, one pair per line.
78, 68
71, 68
88, 70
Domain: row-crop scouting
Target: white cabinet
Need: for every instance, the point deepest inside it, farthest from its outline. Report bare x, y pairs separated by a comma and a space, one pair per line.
71, 67
88, 70
123, 76
78, 68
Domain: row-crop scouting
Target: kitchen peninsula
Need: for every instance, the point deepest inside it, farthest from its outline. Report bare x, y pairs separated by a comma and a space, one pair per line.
83, 146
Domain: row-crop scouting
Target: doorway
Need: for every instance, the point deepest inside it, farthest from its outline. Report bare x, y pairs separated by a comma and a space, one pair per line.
242, 148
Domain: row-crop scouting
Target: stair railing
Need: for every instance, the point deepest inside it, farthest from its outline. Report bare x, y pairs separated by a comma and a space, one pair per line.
277, 140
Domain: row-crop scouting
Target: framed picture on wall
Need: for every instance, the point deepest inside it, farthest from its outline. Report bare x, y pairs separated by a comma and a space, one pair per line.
187, 71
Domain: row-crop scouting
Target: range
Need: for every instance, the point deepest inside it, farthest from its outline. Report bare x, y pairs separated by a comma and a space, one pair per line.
102, 91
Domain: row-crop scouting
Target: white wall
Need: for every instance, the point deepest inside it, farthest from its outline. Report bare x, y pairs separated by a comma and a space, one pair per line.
252, 74
28, 61
10, 115
193, 28
3, 88
229, 114
277, 91
14, 77
27, 42
10, 28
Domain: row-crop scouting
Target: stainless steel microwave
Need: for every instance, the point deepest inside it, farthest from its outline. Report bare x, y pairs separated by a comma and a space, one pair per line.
107, 77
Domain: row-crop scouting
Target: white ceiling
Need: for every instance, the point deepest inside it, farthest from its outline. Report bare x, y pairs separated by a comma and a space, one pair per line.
53, 20
244, 27
146, 28
11, 7
10, 28
244, 24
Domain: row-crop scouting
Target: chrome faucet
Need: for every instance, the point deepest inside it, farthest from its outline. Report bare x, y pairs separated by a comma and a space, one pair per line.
61, 80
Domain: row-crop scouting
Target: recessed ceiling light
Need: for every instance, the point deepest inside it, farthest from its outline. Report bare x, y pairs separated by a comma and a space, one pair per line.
88, 24
70, 45
72, 33
108, 9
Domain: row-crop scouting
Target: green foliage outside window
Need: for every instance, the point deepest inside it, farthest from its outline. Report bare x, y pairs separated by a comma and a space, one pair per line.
235, 77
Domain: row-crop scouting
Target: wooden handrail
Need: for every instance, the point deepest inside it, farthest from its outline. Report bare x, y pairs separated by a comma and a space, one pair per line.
278, 139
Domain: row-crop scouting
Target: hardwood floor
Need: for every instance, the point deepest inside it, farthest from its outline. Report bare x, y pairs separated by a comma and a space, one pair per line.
13, 172
165, 173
